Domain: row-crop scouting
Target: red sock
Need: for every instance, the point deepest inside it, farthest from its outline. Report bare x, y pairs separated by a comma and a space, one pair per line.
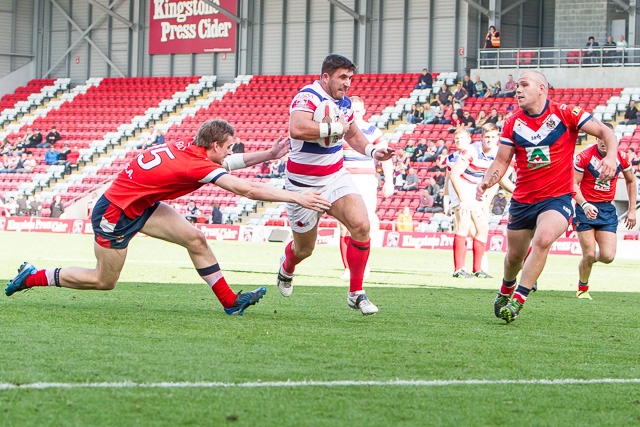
507, 288
459, 252
478, 253
290, 260
214, 278
357, 257
343, 250
39, 278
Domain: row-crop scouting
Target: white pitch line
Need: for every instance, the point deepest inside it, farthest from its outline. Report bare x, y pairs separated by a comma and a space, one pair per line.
345, 383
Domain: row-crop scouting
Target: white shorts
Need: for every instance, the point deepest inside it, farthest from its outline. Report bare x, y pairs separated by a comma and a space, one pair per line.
367, 185
303, 220
470, 194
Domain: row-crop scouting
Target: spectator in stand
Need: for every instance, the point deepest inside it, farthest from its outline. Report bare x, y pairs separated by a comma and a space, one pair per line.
72, 159
438, 202
10, 164
468, 122
22, 207
621, 48
441, 161
7, 147
425, 81
590, 53
62, 155
29, 163
51, 156
469, 86
492, 39
35, 205
426, 201
429, 153
609, 50
439, 177
57, 209
456, 123
509, 88
283, 166
444, 97
216, 214
633, 157
11, 207
409, 149
480, 88
405, 220
493, 118
415, 115
32, 139
495, 92
149, 138
433, 187
265, 170
411, 181
437, 118
630, 114
273, 168
428, 113
51, 139
160, 138
238, 146
460, 94
500, 121
499, 203
420, 150
191, 212
434, 154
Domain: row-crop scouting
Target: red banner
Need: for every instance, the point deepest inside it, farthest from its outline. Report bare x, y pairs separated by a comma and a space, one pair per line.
46, 225
191, 26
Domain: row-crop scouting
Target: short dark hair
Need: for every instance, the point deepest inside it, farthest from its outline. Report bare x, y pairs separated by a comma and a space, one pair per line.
211, 131
334, 62
591, 38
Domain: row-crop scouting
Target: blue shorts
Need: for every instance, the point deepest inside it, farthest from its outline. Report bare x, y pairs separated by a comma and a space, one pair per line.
607, 219
523, 216
112, 228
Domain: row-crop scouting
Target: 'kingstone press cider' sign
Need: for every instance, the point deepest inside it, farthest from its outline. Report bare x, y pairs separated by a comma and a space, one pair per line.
191, 26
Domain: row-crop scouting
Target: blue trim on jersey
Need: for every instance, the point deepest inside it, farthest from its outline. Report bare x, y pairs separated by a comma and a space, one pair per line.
315, 148
533, 116
585, 120
213, 181
308, 89
370, 130
551, 139
361, 158
593, 171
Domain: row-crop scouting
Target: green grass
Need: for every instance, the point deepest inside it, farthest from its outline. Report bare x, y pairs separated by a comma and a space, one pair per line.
162, 325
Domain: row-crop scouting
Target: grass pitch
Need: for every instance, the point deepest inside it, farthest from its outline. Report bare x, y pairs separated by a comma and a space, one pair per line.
159, 350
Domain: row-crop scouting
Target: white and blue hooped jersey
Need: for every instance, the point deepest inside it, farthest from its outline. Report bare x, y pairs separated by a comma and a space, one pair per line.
310, 163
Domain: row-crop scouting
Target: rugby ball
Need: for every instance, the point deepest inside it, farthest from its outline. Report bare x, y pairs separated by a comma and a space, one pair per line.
327, 112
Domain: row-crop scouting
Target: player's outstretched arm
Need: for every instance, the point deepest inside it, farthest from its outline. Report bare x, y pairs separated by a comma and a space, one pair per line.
609, 163
242, 160
268, 193
630, 180
589, 210
496, 170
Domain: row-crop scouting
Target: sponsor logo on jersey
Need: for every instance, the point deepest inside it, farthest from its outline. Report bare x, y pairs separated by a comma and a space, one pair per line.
576, 111
538, 157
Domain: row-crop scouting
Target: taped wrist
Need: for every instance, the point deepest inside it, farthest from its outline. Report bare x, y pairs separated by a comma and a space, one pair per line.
233, 162
369, 149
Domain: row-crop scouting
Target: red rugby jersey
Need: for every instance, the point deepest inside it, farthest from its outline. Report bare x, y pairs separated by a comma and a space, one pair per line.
544, 146
592, 188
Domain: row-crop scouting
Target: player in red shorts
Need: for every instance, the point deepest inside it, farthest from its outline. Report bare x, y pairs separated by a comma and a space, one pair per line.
133, 203
596, 219
542, 135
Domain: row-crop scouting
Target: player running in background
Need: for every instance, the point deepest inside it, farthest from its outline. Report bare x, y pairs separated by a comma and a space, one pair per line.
313, 167
596, 219
363, 172
472, 216
542, 135
132, 203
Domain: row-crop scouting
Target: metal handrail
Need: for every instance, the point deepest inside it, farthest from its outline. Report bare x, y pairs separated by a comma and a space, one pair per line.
545, 57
